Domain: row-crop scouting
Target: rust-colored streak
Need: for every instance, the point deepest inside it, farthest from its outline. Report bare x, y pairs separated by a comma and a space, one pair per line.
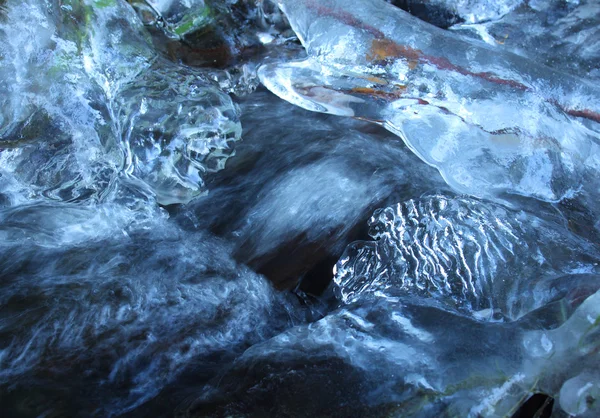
385, 49
583, 113
444, 64
346, 18
388, 96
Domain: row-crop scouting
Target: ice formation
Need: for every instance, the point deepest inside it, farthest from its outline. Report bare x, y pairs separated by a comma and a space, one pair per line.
153, 264
86, 105
490, 121
475, 257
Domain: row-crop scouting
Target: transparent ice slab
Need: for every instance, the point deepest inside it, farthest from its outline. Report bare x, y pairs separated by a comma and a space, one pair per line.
561, 34
490, 121
396, 356
444, 13
176, 127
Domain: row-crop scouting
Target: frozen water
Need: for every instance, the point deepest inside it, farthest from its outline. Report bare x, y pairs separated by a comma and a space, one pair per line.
152, 264
403, 356
232, 37
445, 13
490, 121
182, 16
313, 198
563, 35
87, 102
477, 257
176, 126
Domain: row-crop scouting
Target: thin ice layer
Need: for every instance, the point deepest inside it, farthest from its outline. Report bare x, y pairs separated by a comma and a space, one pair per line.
561, 34
489, 121
475, 256
383, 356
176, 127
444, 13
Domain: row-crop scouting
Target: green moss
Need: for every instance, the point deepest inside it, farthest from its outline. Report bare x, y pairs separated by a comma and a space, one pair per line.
104, 3
190, 23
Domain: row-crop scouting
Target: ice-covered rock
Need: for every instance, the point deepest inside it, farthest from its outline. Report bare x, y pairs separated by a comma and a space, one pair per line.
473, 256
399, 356
490, 121
219, 34
89, 103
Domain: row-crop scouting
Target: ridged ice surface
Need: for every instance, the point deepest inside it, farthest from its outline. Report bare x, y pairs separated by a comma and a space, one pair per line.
469, 254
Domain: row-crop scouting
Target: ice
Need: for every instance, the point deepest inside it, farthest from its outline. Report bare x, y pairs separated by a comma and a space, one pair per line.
181, 16
153, 264
567, 362
490, 121
231, 36
578, 395
409, 355
304, 190
176, 126
444, 13
192, 20
382, 356
477, 257
49, 138
473, 11
562, 35
91, 104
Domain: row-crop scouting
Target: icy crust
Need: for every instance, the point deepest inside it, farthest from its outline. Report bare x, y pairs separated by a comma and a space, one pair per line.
231, 37
76, 78
561, 34
490, 121
444, 13
477, 257
398, 356
176, 128
473, 11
